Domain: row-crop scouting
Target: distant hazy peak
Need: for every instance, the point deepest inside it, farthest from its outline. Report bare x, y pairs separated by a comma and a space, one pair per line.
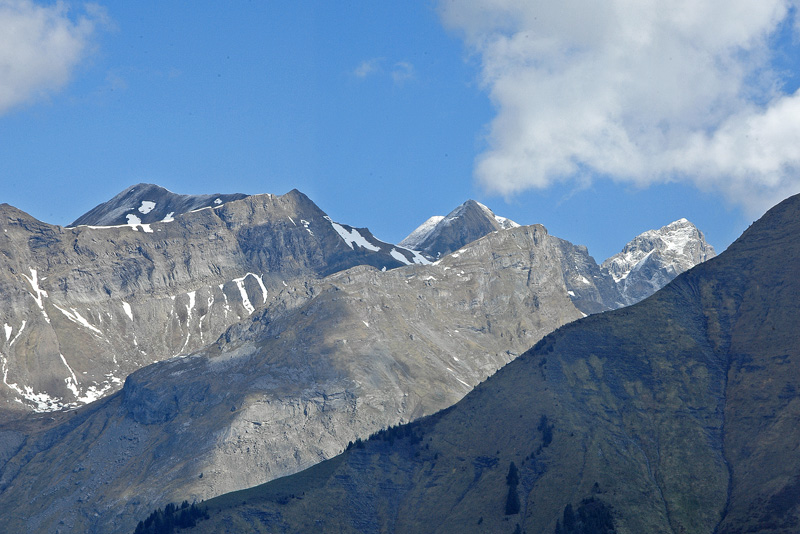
680, 240
148, 203
444, 234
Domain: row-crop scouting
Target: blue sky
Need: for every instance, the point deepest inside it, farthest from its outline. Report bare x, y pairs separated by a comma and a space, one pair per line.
597, 124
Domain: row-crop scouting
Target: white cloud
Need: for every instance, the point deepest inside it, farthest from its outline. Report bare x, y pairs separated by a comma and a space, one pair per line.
399, 72
40, 46
367, 67
639, 91
402, 71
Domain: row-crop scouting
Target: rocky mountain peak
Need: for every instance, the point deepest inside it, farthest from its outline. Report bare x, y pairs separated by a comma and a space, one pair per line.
441, 235
83, 307
655, 257
149, 203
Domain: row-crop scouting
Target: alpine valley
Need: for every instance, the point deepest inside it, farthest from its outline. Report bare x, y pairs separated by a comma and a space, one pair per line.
255, 338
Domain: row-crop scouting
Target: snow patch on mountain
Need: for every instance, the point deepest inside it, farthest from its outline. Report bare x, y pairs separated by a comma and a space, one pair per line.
353, 237
243, 291
399, 257
21, 328
40, 295
423, 231
77, 318
146, 207
127, 308
419, 258
134, 221
504, 222
41, 402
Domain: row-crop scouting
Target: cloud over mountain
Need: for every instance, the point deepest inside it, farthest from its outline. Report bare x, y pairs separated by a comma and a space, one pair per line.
639, 92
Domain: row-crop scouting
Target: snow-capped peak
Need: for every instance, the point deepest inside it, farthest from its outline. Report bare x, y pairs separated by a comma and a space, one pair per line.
504, 222
667, 252
149, 203
444, 234
418, 236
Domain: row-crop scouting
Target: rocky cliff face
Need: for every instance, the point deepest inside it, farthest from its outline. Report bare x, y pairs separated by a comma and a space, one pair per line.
325, 363
589, 286
677, 414
84, 307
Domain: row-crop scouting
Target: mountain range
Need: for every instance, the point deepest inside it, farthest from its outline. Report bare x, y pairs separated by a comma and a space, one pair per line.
276, 337
138, 281
677, 414
85, 306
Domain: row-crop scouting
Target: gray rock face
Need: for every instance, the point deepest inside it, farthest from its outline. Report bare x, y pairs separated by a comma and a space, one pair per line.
590, 287
324, 363
656, 257
84, 307
442, 235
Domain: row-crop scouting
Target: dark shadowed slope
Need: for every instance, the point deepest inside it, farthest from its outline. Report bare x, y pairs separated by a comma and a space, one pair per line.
678, 414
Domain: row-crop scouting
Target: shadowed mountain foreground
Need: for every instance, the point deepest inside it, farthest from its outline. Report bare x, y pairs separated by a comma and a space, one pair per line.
678, 414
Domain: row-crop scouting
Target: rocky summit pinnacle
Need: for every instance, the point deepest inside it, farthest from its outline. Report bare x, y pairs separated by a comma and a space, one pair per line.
655, 257
441, 235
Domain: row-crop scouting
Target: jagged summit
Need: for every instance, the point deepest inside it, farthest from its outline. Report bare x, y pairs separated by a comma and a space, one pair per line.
655, 257
416, 237
149, 203
441, 235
